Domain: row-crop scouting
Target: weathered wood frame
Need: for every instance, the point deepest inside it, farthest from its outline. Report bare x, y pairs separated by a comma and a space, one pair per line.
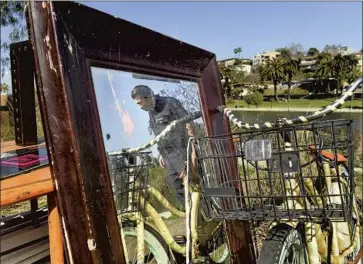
69, 38
22, 76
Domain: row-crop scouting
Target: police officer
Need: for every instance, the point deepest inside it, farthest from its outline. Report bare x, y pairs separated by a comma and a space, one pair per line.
173, 148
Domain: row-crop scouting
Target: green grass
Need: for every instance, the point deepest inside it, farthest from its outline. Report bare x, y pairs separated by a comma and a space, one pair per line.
22, 207
7, 129
297, 103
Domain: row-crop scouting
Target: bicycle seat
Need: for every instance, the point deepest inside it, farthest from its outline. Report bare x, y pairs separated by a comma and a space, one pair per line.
330, 156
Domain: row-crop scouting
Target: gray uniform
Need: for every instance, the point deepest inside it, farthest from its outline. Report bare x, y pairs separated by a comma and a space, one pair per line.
173, 148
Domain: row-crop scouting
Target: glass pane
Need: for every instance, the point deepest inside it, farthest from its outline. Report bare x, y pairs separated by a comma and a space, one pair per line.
132, 122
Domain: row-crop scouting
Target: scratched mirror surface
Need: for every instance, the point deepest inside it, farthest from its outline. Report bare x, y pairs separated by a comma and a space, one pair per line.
125, 122
134, 109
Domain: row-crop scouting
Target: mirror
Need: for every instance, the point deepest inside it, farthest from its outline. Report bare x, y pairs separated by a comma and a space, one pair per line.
125, 124
80, 138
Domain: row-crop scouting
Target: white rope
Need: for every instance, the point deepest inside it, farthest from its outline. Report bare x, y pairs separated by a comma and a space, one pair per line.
187, 205
162, 135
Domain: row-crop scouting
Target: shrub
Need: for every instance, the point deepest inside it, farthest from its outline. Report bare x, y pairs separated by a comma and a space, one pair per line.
255, 98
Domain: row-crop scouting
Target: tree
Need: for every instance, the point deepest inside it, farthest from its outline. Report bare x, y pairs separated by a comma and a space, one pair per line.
339, 67
273, 70
293, 50
285, 52
290, 67
231, 76
12, 15
354, 74
187, 94
296, 50
312, 52
226, 74
238, 52
324, 66
253, 78
351, 61
351, 71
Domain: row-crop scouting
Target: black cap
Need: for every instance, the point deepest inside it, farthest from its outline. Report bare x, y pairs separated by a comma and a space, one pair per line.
142, 91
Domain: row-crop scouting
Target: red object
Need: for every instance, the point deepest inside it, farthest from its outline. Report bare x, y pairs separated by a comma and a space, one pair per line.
24, 161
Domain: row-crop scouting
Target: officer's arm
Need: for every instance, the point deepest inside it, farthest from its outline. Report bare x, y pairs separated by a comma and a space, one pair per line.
179, 110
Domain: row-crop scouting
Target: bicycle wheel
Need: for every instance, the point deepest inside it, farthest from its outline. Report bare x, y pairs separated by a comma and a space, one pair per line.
353, 255
283, 245
156, 250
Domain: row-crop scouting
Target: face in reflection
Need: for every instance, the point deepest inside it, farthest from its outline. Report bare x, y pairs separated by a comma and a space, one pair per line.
144, 97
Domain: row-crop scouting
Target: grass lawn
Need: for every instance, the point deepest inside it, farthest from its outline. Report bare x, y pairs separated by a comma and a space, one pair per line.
7, 130
297, 103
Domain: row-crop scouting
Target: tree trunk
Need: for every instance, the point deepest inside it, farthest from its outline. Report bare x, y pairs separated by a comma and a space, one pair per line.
275, 90
289, 91
228, 88
289, 86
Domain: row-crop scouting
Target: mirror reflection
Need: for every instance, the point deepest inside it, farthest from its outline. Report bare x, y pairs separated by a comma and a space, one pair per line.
135, 108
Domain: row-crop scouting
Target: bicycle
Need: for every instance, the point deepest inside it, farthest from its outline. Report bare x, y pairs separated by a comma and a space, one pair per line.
293, 173
139, 219
226, 199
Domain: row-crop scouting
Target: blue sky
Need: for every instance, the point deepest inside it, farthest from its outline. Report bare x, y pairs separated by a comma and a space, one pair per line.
255, 26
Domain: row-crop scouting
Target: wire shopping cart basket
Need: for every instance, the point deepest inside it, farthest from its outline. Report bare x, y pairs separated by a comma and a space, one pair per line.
287, 173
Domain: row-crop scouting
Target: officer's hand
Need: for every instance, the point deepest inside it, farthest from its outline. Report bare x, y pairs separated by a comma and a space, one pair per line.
190, 133
182, 175
161, 162
190, 130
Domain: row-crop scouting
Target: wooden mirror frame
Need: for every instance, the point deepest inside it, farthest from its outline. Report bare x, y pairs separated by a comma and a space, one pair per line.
68, 38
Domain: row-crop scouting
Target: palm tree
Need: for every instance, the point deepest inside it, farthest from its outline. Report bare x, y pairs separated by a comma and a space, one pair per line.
273, 70
238, 51
353, 75
351, 71
226, 74
291, 66
339, 67
231, 76
324, 68
351, 61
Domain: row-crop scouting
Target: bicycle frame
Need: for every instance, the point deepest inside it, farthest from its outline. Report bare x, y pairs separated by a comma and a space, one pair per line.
317, 245
152, 218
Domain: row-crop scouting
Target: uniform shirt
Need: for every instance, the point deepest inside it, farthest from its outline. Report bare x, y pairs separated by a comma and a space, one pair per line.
168, 109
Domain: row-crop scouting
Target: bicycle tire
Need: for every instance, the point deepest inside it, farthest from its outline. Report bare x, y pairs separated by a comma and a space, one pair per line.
279, 241
355, 252
153, 240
